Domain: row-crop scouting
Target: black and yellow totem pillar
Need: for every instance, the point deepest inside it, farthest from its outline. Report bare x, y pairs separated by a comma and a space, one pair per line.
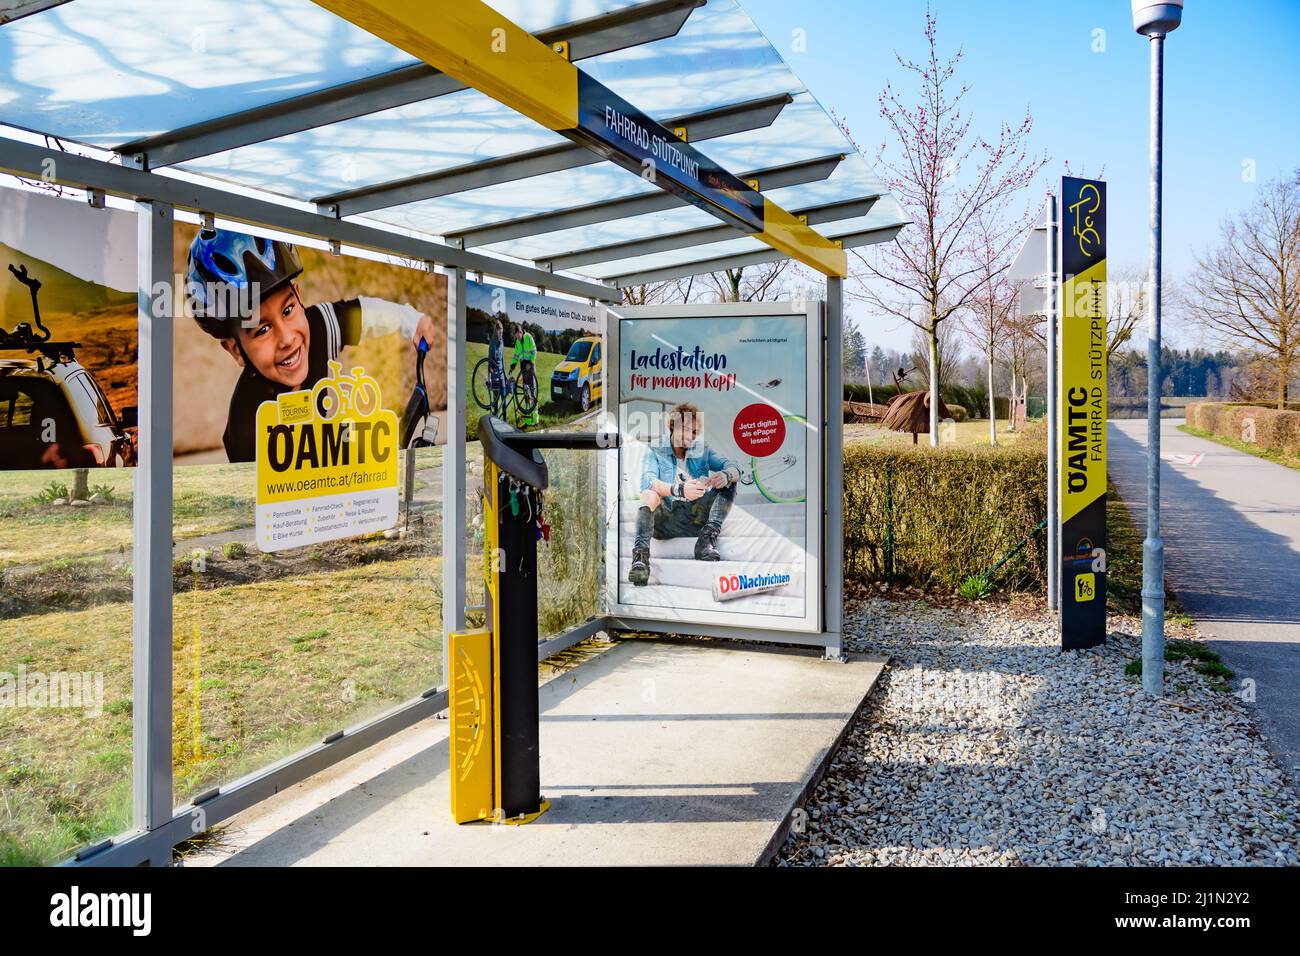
1082, 431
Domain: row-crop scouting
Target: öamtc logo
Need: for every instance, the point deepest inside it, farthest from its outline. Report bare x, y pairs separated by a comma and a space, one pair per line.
729, 586
74, 909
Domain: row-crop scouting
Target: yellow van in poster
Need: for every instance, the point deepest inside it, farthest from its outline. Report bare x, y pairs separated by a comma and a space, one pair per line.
579, 378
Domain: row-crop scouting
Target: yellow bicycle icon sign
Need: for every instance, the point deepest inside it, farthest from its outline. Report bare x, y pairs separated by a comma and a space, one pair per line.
355, 392
1084, 230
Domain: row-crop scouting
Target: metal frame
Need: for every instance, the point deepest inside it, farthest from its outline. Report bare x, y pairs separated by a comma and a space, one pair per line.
453, 461
593, 36
775, 177
833, 470
158, 824
826, 212
541, 82
850, 240
1052, 236
809, 629
151, 630
69, 169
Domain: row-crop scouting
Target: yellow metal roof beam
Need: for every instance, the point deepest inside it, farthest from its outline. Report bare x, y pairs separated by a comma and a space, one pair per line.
469, 40
472, 42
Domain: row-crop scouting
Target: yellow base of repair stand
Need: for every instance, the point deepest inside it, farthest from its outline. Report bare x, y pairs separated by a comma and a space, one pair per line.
528, 817
473, 770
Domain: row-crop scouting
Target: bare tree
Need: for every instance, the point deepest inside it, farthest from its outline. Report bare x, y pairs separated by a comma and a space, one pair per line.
744, 284
659, 293
946, 349
1126, 306
1023, 342
946, 177
1246, 291
989, 309
749, 283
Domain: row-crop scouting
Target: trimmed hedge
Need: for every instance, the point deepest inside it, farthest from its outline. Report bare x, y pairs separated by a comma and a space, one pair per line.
954, 512
1254, 424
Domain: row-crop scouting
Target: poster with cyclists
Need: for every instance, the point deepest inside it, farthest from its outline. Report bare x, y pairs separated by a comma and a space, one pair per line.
535, 360
717, 459
67, 333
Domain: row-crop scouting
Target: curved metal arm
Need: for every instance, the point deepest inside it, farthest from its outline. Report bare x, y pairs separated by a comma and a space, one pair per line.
498, 440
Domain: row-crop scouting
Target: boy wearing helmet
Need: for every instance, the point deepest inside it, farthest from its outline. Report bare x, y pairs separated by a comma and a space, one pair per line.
241, 291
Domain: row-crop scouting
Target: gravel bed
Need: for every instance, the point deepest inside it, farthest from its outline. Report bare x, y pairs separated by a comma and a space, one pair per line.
983, 744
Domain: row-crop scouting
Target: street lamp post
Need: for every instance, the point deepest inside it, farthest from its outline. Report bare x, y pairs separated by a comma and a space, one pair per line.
1154, 21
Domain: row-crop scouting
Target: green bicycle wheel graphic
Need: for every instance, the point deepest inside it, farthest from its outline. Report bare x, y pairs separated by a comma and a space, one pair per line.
781, 478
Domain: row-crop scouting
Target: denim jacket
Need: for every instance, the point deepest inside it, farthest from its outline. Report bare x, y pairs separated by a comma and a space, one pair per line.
661, 464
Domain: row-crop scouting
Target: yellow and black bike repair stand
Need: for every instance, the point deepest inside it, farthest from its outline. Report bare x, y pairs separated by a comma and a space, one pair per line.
495, 759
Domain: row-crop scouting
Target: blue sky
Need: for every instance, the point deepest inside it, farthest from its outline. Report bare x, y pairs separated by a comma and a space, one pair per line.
1232, 82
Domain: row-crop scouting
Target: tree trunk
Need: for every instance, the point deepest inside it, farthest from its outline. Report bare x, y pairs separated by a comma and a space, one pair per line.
993, 405
934, 382
81, 484
1283, 379
1011, 405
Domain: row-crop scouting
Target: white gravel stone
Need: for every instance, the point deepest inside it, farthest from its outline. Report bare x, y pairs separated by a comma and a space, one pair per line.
984, 745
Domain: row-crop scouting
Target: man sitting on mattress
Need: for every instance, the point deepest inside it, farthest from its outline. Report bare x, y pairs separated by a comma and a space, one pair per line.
687, 490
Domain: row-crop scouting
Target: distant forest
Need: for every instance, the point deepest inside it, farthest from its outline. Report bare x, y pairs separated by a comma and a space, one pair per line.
1191, 373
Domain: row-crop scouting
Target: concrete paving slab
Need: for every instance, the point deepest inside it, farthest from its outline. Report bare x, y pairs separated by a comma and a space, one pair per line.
656, 752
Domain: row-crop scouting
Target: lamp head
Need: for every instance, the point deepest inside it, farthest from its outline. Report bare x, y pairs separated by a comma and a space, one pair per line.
1151, 19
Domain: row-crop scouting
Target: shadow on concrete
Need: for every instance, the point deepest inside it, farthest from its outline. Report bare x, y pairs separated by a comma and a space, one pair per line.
594, 778
1220, 563
1226, 569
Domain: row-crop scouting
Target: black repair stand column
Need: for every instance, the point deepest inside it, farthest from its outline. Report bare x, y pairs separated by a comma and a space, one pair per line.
514, 460
520, 786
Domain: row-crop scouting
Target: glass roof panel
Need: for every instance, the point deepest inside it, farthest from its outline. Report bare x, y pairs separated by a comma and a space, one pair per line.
717, 59
105, 72
80, 72
732, 247
802, 132
853, 179
433, 135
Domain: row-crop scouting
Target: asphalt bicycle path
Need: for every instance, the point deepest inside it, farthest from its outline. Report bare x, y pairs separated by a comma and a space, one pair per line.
1231, 528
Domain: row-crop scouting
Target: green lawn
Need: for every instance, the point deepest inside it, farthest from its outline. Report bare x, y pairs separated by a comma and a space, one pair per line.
260, 671
975, 432
317, 640
207, 499
550, 413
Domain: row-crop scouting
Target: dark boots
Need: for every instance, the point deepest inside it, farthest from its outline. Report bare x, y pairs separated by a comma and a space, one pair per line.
639, 573
706, 544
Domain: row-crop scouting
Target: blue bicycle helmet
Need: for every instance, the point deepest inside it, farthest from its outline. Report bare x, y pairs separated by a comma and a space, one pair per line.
222, 264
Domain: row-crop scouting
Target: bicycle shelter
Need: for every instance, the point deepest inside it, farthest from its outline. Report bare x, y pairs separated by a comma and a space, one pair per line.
341, 125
